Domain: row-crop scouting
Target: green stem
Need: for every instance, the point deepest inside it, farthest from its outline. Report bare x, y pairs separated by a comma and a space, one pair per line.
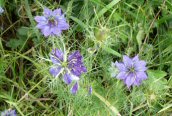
29, 14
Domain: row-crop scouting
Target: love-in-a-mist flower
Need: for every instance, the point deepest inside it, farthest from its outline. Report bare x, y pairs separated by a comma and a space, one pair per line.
9, 113
132, 71
90, 90
75, 88
1, 10
52, 23
69, 66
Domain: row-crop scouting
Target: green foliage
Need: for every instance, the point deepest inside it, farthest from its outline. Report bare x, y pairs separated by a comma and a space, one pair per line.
22, 37
1, 3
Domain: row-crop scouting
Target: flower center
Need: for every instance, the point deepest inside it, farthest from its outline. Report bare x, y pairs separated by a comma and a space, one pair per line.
64, 64
52, 20
132, 69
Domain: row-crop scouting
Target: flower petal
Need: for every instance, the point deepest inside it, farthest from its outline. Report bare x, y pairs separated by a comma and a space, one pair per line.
74, 77
127, 61
76, 71
67, 78
1, 10
41, 26
57, 12
9, 113
55, 60
46, 31
130, 80
47, 12
141, 75
140, 66
40, 19
90, 90
56, 31
137, 82
75, 56
55, 71
122, 75
75, 64
136, 58
58, 55
62, 24
120, 66
75, 88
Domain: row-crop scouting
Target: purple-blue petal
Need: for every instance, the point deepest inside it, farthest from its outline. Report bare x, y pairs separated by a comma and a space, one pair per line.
62, 24
75, 88
57, 12
83, 68
56, 31
141, 75
73, 77
136, 58
54, 60
58, 54
47, 12
55, 71
1, 10
41, 26
9, 113
40, 19
76, 72
137, 82
140, 66
127, 61
130, 79
122, 75
75, 63
67, 78
74, 56
46, 31
78, 69
90, 90
120, 66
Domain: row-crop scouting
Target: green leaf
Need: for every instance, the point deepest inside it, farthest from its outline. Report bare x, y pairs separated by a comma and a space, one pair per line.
31, 19
165, 108
111, 107
110, 50
140, 35
156, 81
84, 26
16, 43
157, 74
23, 31
1, 3
69, 8
107, 7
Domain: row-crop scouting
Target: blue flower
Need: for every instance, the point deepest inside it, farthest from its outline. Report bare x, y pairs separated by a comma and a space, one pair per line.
9, 113
52, 23
75, 88
132, 71
90, 90
1, 10
69, 66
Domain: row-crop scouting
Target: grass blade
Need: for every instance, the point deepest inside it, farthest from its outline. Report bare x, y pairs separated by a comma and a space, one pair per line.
112, 108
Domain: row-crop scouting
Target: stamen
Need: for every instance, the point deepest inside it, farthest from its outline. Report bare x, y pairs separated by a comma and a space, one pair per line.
52, 20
